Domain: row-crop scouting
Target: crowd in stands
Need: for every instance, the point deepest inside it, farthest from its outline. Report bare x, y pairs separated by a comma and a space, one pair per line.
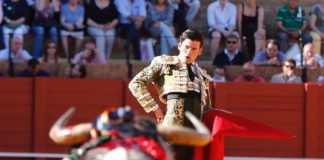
236, 32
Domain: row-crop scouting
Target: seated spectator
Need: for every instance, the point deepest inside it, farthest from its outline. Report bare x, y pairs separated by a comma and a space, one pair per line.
14, 22
102, 28
2, 45
72, 17
248, 74
271, 56
221, 18
132, 15
46, 20
292, 24
231, 54
310, 58
33, 70
50, 54
89, 54
219, 75
316, 23
179, 17
18, 54
76, 71
250, 26
288, 73
160, 24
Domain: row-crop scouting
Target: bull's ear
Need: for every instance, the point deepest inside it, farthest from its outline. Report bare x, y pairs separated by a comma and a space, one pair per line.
187, 136
61, 134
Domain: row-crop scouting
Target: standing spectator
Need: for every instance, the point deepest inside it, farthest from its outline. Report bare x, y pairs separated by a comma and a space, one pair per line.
248, 74
103, 28
13, 20
50, 55
72, 17
90, 54
160, 24
33, 70
132, 16
317, 24
250, 25
221, 17
45, 21
18, 54
310, 58
231, 54
292, 24
271, 56
288, 73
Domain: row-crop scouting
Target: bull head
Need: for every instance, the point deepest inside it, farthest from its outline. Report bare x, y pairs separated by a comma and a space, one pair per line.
61, 134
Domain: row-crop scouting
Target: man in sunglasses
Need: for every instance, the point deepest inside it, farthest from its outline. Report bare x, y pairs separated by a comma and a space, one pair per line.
288, 73
231, 55
271, 56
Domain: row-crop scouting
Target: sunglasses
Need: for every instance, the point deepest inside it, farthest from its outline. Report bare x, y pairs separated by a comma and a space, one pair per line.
54, 47
229, 42
272, 50
288, 66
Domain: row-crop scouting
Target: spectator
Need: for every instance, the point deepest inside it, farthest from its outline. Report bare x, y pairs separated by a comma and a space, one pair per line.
45, 21
310, 58
132, 15
250, 25
288, 73
72, 17
292, 23
76, 71
2, 45
33, 70
90, 54
193, 8
14, 21
317, 24
50, 55
231, 54
160, 24
102, 28
18, 54
219, 75
271, 56
179, 18
248, 74
221, 17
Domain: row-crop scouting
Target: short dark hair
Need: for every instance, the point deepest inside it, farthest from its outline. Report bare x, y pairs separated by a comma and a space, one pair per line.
192, 34
290, 60
32, 63
273, 41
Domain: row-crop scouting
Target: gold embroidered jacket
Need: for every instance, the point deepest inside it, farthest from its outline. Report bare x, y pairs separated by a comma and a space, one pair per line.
168, 75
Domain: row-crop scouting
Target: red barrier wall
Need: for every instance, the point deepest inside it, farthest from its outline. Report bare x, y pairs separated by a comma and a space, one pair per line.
28, 108
278, 105
16, 123
314, 130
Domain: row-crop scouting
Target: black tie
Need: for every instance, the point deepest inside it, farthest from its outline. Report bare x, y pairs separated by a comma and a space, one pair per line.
190, 72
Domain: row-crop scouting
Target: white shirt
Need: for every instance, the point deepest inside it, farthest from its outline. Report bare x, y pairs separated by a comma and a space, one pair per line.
4, 55
126, 8
221, 18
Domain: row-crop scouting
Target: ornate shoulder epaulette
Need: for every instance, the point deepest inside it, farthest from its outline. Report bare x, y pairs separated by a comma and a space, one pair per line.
170, 60
205, 74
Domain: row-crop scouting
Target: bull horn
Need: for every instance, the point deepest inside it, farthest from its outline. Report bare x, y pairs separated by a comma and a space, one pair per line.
186, 136
61, 134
